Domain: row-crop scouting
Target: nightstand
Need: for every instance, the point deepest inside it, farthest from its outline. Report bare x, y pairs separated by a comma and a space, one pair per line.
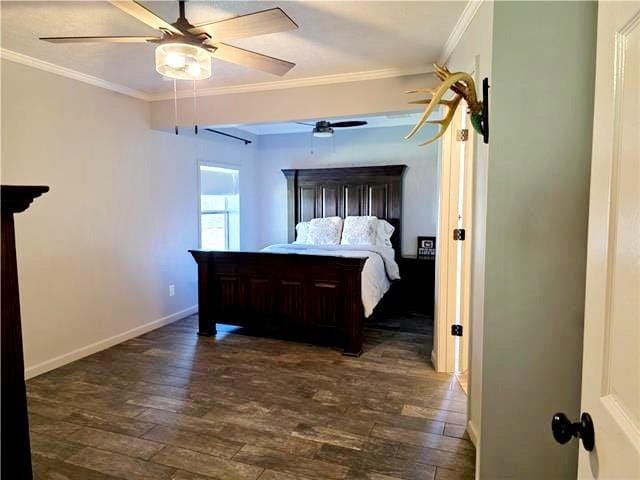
417, 284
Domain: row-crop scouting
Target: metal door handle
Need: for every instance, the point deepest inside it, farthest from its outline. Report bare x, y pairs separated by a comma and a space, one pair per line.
563, 430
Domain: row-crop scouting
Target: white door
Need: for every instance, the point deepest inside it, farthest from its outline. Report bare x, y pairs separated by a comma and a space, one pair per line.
611, 363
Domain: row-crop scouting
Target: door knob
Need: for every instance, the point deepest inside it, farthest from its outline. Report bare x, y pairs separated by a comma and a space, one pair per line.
563, 430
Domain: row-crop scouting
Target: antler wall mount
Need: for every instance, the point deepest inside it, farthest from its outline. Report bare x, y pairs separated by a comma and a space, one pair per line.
463, 87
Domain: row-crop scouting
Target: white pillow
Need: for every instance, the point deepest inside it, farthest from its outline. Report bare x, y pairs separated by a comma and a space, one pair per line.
325, 231
302, 232
385, 230
360, 231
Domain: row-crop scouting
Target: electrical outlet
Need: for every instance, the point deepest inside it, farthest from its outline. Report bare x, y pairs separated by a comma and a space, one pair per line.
172, 290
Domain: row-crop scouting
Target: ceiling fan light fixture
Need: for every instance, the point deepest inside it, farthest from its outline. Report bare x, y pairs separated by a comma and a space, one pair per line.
182, 61
322, 131
193, 69
175, 61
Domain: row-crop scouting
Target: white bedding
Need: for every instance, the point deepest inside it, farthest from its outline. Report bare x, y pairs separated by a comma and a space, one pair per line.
379, 269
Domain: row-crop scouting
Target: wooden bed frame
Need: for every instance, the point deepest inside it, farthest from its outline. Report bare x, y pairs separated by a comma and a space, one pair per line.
307, 295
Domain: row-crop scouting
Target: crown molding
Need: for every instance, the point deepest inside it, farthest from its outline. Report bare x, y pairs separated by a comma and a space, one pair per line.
459, 29
205, 92
299, 82
69, 73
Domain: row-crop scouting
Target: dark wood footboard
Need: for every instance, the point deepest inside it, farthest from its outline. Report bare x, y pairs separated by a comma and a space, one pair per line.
300, 294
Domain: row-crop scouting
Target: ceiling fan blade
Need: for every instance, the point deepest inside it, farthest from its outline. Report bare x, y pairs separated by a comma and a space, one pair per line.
145, 15
259, 23
99, 39
250, 59
352, 123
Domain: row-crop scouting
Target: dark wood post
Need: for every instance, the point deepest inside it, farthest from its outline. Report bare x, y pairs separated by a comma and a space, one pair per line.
16, 451
206, 297
353, 311
292, 214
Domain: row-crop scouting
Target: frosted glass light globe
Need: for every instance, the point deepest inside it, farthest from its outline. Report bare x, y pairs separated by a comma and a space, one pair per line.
182, 61
175, 60
193, 69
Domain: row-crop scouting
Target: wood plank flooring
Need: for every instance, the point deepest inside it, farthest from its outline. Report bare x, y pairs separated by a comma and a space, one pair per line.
171, 405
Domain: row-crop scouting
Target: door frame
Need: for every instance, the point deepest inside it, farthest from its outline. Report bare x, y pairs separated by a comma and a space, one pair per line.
443, 355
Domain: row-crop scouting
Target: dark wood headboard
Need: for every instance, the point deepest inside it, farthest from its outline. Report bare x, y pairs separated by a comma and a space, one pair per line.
331, 192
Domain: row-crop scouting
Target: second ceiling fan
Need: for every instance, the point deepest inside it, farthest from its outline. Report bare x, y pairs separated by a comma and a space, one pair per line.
324, 128
184, 50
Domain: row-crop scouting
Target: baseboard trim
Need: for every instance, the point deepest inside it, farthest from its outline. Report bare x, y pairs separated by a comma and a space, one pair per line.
79, 353
434, 360
473, 433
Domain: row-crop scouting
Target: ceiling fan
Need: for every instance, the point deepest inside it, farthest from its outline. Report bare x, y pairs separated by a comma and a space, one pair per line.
325, 129
184, 50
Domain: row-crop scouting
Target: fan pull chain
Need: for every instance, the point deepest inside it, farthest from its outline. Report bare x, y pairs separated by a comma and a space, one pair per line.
175, 104
195, 111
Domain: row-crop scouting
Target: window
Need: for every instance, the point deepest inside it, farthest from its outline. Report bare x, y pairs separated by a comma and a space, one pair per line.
219, 208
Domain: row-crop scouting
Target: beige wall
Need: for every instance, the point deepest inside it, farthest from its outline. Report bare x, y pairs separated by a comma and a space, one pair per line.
342, 99
474, 52
97, 253
542, 78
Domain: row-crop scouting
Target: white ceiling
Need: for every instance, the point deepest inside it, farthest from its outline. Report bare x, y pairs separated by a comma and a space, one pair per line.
335, 37
373, 121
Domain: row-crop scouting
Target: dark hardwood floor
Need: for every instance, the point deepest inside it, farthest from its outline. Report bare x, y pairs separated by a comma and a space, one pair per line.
171, 405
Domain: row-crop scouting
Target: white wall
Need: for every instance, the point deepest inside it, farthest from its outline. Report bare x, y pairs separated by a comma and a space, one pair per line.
96, 254
356, 147
473, 52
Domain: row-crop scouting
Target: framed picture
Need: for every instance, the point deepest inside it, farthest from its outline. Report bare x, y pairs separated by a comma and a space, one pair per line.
426, 248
